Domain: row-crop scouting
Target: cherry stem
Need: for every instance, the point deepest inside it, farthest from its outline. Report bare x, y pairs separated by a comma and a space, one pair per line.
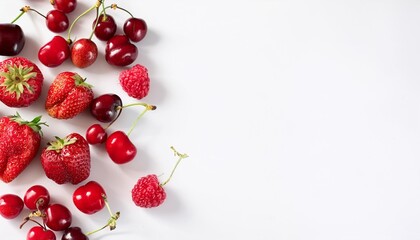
22, 11
115, 6
95, 6
147, 108
112, 222
181, 156
42, 15
27, 219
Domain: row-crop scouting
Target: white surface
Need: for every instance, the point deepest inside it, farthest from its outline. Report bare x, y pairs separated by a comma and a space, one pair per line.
301, 119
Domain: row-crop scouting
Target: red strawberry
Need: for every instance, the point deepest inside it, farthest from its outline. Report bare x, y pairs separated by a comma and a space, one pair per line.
67, 160
68, 96
20, 82
148, 192
135, 81
19, 143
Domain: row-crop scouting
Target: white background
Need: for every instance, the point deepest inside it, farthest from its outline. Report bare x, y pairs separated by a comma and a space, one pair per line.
301, 119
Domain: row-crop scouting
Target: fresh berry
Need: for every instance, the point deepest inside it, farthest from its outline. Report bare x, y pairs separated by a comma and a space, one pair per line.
135, 29
68, 96
135, 81
20, 82
120, 148
12, 39
74, 233
67, 6
67, 160
57, 21
55, 52
10, 206
57, 217
96, 134
106, 27
84, 53
120, 51
89, 198
36, 197
19, 143
106, 107
40, 233
148, 192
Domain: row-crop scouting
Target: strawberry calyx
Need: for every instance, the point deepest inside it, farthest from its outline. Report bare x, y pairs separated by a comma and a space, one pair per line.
60, 143
16, 79
79, 81
34, 124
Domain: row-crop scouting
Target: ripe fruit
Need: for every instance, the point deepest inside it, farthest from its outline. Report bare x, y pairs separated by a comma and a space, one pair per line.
20, 82
68, 96
57, 21
119, 148
55, 52
36, 197
89, 198
135, 81
135, 29
40, 233
120, 51
106, 27
96, 134
74, 233
84, 53
12, 39
67, 6
10, 206
106, 107
57, 217
67, 160
148, 192
19, 143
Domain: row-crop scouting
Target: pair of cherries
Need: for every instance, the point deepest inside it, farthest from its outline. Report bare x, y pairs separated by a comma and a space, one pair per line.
107, 108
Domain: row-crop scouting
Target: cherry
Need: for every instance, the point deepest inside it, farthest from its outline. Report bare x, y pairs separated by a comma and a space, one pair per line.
119, 148
106, 27
84, 53
55, 52
10, 206
57, 21
74, 233
40, 233
106, 107
135, 29
57, 217
12, 39
120, 51
89, 198
36, 197
67, 6
96, 134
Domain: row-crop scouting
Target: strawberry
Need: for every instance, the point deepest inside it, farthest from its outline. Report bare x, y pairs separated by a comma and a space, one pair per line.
19, 143
67, 160
20, 82
135, 81
68, 96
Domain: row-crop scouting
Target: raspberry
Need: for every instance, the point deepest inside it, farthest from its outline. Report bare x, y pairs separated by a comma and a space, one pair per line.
148, 192
135, 81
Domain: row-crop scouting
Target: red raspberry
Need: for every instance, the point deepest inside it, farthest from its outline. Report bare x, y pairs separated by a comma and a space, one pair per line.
148, 192
135, 81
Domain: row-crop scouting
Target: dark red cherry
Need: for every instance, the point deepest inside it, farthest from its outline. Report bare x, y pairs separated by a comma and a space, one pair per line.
105, 108
57, 21
55, 52
67, 6
12, 39
106, 27
74, 233
84, 53
135, 29
57, 217
96, 134
120, 51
